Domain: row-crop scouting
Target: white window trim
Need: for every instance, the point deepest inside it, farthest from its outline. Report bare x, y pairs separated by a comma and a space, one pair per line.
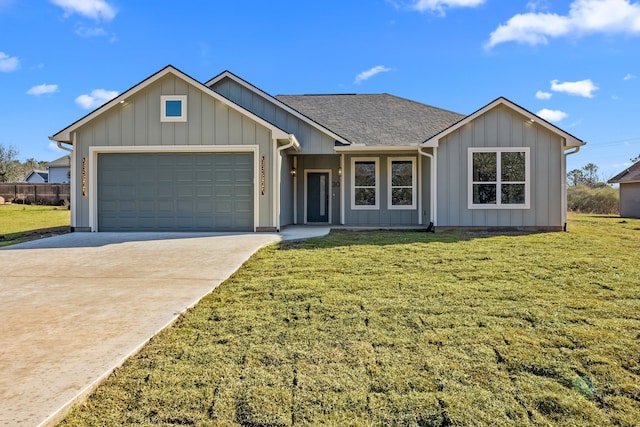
376, 161
413, 183
163, 108
499, 205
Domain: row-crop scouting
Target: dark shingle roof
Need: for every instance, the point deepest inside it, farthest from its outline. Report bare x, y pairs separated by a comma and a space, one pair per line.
631, 174
374, 119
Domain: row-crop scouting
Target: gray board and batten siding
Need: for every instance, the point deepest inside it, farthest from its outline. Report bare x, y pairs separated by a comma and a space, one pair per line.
501, 127
312, 140
135, 125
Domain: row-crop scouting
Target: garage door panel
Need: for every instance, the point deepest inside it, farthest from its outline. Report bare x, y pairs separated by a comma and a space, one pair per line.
175, 191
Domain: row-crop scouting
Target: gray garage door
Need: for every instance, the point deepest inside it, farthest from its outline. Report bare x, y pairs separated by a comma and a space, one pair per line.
175, 192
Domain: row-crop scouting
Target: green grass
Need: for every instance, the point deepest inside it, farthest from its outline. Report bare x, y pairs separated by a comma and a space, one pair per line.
402, 328
19, 223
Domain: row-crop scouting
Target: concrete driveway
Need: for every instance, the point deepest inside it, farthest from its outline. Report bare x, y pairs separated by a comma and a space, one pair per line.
74, 307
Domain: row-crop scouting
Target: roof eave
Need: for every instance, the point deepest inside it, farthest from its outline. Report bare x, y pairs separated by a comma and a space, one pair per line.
570, 140
375, 148
276, 101
65, 134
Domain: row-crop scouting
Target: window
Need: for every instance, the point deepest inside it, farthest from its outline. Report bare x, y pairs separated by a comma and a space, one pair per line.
364, 179
402, 183
173, 108
499, 178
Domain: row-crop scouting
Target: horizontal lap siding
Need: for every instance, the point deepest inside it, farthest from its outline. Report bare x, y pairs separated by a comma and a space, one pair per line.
630, 200
500, 127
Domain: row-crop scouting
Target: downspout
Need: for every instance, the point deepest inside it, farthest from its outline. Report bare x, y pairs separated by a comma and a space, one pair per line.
59, 143
342, 200
564, 187
432, 193
279, 150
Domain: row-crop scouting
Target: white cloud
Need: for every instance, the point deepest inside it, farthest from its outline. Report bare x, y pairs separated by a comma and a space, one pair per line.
584, 17
8, 63
54, 147
630, 77
543, 95
580, 88
96, 98
94, 9
439, 6
552, 115
42, 89
365, 75
87, 32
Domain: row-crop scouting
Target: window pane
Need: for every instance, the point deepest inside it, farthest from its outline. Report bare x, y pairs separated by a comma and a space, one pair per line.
484, 167
513, 194
365, 174
173, 108
402, 197
365, 196
401, 173
484, 194
513, 166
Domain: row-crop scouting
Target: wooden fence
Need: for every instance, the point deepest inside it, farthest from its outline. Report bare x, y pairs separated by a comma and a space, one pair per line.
39, 194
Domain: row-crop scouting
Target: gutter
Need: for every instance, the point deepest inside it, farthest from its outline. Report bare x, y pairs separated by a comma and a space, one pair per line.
59, 144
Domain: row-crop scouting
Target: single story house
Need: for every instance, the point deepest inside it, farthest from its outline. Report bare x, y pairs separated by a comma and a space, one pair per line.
37, 177
60, 170
629, 181
172, 153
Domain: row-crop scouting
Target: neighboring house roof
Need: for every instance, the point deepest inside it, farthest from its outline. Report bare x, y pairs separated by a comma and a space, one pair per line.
65, 134
571, 141
631, 174
274, 100
37, 176
373, 120
64, 161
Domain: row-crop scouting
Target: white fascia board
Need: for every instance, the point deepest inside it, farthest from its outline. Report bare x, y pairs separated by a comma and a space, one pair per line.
65, 134
376, 149
278, 103
570, 140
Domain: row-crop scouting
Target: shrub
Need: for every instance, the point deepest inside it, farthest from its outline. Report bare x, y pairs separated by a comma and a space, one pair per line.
600, 200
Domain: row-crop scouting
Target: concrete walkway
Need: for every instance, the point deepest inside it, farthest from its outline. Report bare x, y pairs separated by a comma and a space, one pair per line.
74, 307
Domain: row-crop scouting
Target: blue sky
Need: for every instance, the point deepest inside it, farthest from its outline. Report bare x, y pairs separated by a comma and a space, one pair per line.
576, 63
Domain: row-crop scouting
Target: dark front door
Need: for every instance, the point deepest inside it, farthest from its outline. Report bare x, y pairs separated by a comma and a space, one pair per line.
318, 197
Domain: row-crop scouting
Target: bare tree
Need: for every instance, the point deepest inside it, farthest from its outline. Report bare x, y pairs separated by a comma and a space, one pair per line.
9, 165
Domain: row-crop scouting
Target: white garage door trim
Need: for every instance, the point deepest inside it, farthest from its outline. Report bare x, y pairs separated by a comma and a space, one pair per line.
93, 170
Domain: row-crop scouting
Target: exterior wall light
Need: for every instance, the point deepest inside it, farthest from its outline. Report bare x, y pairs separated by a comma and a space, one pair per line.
339, 171
293, 172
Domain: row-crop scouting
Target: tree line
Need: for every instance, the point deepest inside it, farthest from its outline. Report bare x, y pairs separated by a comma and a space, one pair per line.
12, 169
588, 192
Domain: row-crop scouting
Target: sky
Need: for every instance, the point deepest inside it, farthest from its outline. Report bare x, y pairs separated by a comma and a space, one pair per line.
574, 63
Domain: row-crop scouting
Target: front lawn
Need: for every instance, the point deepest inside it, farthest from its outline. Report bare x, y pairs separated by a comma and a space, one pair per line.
402, 328
19, 223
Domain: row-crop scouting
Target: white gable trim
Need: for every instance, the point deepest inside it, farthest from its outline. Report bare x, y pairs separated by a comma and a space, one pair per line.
278, 103
65, 134
570, 140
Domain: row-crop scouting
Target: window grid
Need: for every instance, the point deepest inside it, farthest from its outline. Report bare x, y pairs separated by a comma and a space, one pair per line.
365, 192
500, 183
397, 189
